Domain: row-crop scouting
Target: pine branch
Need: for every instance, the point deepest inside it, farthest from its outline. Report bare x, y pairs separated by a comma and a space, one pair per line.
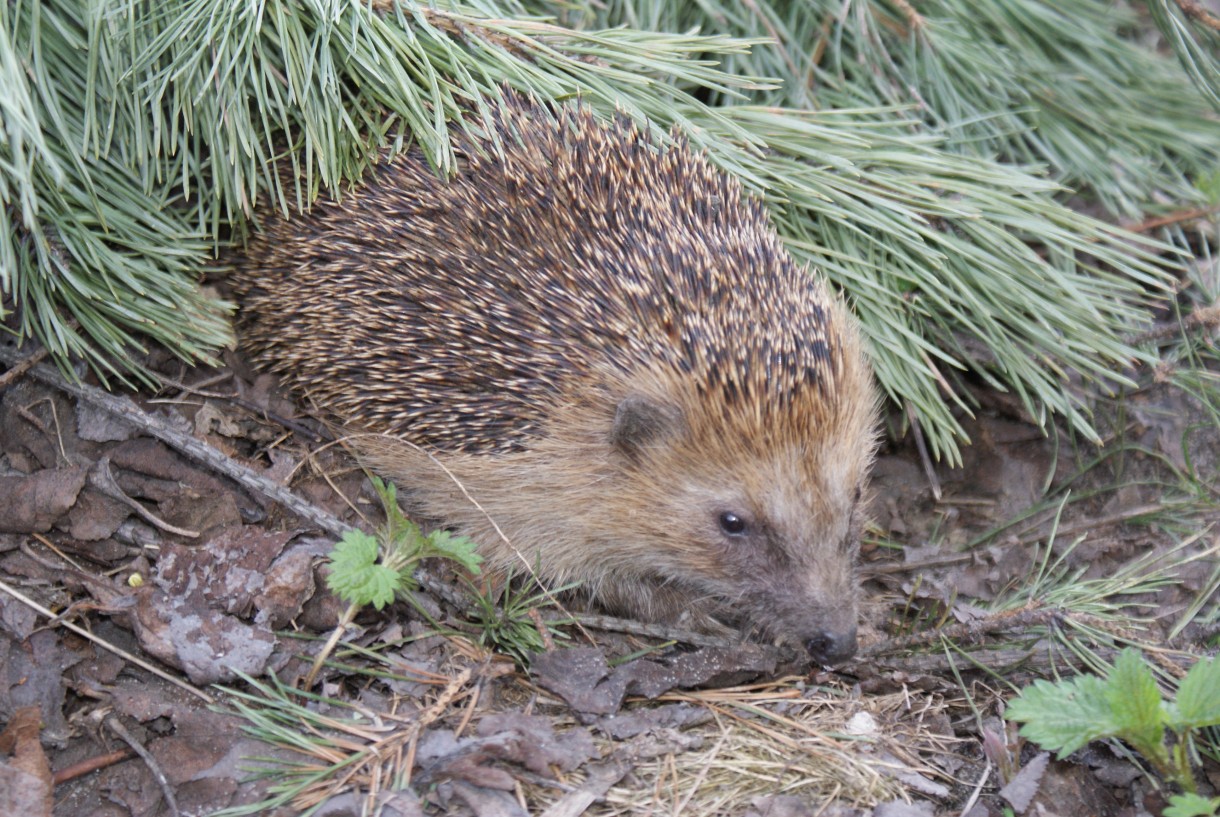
1194, 36
137, 139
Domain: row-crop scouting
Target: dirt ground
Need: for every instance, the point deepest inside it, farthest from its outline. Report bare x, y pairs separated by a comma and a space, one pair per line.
178, 594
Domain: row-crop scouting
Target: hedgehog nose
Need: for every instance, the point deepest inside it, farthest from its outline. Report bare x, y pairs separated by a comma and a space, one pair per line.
829, 648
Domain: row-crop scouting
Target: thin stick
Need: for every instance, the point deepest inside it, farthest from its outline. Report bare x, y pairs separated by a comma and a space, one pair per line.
1195, 10
126, 656
91, 765
167, 791
928, 469
197, 450
21, 368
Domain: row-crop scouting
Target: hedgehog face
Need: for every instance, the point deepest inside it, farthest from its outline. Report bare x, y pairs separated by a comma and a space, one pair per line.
779, 549
768, 532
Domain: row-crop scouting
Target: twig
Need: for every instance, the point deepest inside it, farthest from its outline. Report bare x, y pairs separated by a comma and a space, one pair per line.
659, 631
1096, 523
870, 570
1091, 525
1208, 317
22, 367
922, 447
349, 615
167, 791
84, 767
126, 656
1173, 218
544, 632
1194, 10
197, 450
51, 546
102, 478
972, 631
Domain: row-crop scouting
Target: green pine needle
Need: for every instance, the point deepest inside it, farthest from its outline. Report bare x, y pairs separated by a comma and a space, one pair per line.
921, 160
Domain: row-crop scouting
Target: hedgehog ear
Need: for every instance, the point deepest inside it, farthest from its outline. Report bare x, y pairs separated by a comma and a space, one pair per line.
640, 422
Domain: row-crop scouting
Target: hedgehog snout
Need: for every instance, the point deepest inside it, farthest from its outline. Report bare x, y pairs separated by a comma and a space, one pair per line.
830, 647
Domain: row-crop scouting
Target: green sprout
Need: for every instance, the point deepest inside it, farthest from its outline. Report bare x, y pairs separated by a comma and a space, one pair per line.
1127, 705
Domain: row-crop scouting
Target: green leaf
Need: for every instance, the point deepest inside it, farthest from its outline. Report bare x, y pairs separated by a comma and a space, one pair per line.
1135, 703
400, 532
1192, 805
356, 550
355, 575
456, 548
1064, 716
1198, 701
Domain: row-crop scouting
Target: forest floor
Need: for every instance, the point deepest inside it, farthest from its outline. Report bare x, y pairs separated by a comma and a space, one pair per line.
167, 579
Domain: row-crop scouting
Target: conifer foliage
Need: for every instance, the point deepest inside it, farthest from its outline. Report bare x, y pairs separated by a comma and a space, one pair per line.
920, 154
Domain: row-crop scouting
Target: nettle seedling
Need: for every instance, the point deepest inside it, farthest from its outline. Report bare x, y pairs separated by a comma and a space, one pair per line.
1127, 705
375, 570
368, 569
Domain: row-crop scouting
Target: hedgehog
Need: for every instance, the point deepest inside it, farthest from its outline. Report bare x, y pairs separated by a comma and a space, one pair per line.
588, 351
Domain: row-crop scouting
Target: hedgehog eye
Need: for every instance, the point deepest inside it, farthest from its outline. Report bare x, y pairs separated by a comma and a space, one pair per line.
732, 524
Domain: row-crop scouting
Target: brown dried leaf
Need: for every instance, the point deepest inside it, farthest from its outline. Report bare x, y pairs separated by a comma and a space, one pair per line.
187, 633
1022, 789
488, 803
583, 678
34, 502
26, 785
534, 743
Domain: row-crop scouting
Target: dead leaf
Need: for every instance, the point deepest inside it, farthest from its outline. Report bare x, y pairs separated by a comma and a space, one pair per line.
33, 503
229, 570
535, 743
529, 741
209, 419
899, 808
188, 633
289, 583
783, 805
485, 803
32, 674
583, 678
101, 426
28, 787
188, 497
624, 725
96, 516
386, 804
1021, 790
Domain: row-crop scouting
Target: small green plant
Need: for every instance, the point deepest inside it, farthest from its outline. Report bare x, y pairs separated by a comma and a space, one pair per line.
1127, 705
506, 620
374, 570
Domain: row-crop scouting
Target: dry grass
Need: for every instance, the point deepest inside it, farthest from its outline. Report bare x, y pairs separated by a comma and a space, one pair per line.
780, 738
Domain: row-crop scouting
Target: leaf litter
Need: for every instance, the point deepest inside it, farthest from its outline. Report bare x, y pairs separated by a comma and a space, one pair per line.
164, 559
